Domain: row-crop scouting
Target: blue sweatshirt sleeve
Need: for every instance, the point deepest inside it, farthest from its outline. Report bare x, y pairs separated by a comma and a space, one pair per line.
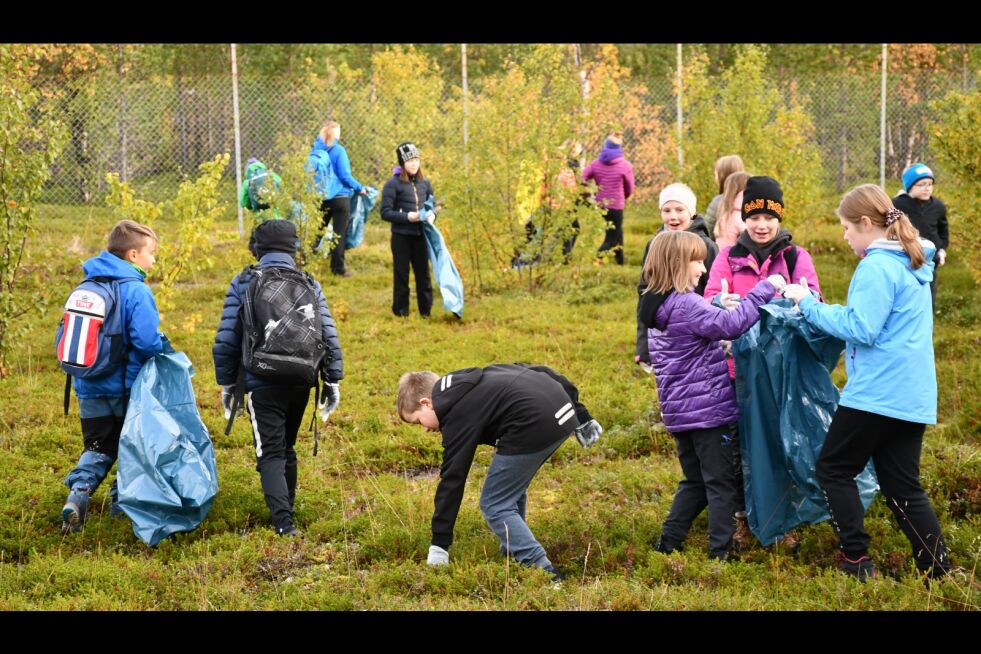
143, 322
870, 298
343, 169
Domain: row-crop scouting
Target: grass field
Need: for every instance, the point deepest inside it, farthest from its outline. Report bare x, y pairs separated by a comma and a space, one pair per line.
364, 503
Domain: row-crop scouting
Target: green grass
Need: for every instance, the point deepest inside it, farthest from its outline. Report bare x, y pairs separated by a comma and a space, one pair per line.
365, 501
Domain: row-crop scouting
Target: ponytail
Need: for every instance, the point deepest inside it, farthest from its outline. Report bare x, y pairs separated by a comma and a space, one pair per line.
902, 230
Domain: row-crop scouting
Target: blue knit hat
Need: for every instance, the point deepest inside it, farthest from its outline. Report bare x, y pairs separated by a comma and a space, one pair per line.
915, 173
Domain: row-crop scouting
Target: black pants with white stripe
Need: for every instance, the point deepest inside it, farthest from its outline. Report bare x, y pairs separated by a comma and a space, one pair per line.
276, 416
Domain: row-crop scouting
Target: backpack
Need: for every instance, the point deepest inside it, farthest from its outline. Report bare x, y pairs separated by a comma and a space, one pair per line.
319, 164
790, 257
262, 187
91, 338
282, 336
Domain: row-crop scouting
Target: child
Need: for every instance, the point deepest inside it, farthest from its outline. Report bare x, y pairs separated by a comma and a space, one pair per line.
698, 404
730, 223
526, 412
615, 177
276, 407
927, 213
724, 167
891, 393
129, 255
259, 189
402, 198
336, 204
678, 213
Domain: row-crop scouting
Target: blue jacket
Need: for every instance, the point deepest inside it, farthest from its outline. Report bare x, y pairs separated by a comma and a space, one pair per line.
227, 350
342, 183
141, 321
888, 329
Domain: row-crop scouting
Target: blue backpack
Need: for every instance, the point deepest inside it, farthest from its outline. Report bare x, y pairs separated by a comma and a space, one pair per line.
318, 163
91, 340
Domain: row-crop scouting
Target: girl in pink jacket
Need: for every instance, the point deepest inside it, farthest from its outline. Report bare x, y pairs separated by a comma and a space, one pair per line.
729, 224
615, 177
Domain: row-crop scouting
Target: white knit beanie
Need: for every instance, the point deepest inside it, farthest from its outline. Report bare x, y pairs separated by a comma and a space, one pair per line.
679, 192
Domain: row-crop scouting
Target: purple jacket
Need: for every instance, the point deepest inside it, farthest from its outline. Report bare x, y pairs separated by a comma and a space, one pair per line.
613, 174
689, 364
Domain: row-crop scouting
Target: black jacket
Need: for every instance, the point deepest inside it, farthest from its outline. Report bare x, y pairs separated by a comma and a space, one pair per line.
929, 217
399, 198
517, 408
698, 227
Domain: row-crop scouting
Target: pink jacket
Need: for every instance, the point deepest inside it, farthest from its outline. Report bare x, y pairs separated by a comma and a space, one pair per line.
615, 180
736, 265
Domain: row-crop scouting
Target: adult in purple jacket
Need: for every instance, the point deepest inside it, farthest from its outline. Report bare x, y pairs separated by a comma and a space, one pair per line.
614, 176
698, 404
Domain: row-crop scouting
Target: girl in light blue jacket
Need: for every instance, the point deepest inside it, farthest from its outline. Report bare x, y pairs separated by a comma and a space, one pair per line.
891, 393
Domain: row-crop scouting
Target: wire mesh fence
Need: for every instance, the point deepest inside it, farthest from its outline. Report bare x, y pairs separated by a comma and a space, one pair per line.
155, 131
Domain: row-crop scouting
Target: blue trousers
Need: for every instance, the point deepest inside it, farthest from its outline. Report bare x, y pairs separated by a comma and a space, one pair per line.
102, 422
504, 500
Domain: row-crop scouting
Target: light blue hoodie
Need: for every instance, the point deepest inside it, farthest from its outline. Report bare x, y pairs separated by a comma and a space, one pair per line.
888, 328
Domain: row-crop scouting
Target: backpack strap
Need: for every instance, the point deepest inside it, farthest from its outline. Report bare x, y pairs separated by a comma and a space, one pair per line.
68, 391
313, 419
790, 257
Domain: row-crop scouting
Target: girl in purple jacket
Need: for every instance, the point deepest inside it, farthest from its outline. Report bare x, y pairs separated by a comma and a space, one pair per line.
698, 404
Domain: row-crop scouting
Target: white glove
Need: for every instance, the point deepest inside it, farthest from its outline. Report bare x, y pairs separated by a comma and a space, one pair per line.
941, 257
589, 433
778, 281
726, 299
437, 556
797, 292
330, 400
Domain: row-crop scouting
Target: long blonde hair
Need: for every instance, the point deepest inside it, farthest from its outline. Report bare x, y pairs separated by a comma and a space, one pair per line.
870, 200
666, 266
727, 165
734, 185
327, 131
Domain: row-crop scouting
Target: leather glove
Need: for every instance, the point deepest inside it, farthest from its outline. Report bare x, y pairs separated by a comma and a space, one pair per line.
227, 399
437, 556
330, 400
589, 433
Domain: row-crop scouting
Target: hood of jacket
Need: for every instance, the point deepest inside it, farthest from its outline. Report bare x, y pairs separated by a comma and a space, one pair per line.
652, 305
923, 274
453, 388
109, 265
610, 153
255, 168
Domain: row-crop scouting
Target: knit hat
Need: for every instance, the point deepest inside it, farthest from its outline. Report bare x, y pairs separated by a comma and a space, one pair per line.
680, 193
915, 173
406, 151
274, 235
762, 195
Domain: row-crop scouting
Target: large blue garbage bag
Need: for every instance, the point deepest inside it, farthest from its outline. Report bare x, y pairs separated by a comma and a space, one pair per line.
167, 474
786, 400
361, 206
447, 277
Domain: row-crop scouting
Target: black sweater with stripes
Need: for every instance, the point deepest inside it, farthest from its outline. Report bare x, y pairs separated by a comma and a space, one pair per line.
517, 408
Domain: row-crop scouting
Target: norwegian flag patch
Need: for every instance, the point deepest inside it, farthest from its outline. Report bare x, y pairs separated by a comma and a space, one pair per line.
85, 312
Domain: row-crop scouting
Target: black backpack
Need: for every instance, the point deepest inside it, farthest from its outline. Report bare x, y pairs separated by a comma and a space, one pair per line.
282, 337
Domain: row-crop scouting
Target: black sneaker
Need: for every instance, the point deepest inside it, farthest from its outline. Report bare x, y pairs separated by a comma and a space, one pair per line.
556, 575
291, 532
660, 546
861, 568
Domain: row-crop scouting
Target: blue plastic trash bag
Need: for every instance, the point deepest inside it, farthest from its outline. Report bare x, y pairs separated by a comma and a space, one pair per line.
786, 400
447, 277
167, 474
361, 206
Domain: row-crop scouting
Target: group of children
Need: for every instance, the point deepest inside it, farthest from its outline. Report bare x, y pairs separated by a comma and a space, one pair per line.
693, 299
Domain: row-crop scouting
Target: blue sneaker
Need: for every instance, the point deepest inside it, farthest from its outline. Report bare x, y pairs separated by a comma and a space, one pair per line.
73, 513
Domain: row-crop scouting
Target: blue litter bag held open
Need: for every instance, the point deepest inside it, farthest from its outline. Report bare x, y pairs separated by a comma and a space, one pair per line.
361, 206
167, 474
447, 278
786, 401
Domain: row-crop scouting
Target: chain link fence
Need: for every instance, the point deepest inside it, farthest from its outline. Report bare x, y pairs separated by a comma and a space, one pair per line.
154, 132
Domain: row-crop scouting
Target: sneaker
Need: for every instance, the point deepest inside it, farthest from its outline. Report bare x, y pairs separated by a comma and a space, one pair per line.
291, 532
73, 513
116, 511
862, 568
659, 546
743, 536
556, 575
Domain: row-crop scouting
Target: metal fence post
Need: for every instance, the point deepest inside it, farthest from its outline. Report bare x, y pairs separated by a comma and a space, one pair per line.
238, 141
466, 151
681, 160
882, 125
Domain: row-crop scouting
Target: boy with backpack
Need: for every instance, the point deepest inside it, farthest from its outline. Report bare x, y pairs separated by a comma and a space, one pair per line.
275, 341
109, 329
259, 190
525, 412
